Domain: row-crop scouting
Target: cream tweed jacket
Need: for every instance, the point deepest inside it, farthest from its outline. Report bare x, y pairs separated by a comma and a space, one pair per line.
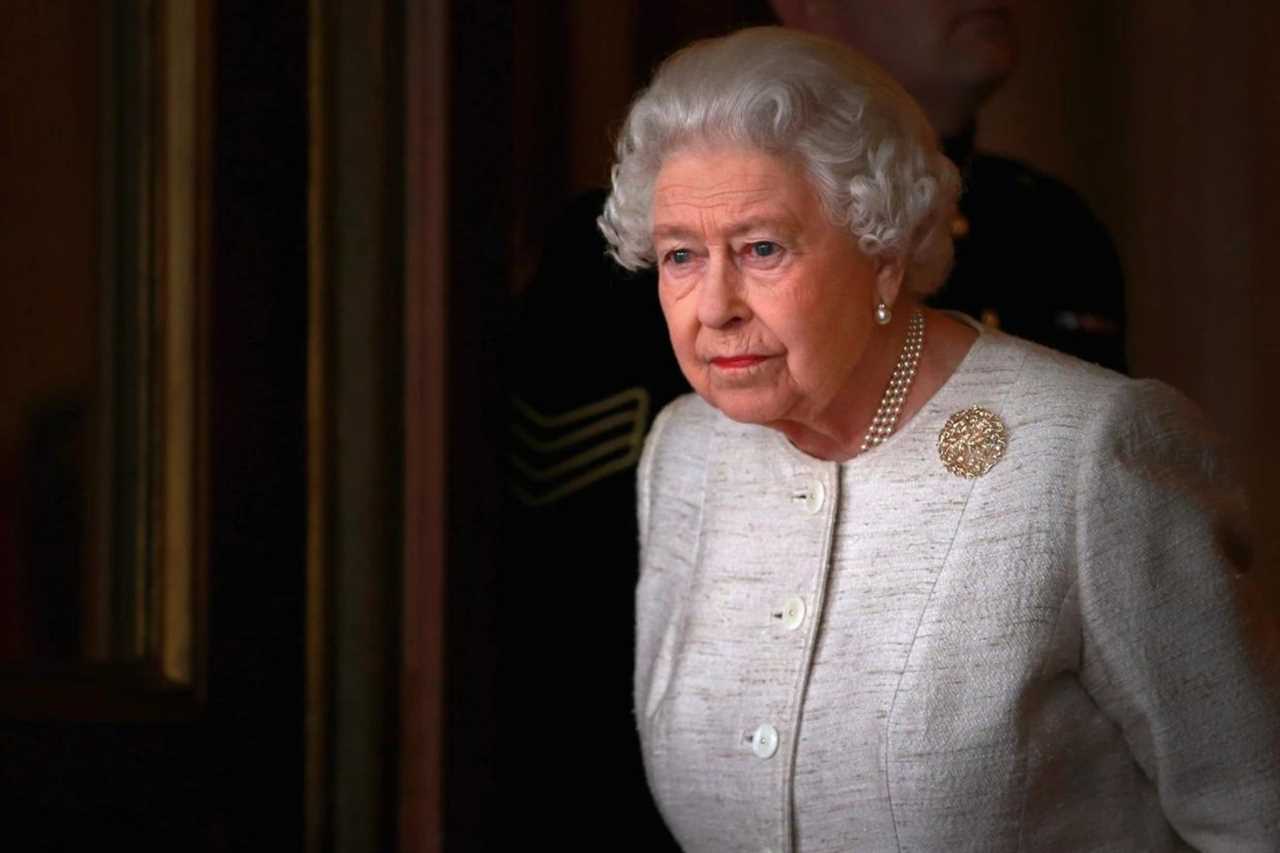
881, 655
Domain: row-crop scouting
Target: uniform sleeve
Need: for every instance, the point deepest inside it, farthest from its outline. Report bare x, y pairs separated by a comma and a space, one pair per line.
1173, 622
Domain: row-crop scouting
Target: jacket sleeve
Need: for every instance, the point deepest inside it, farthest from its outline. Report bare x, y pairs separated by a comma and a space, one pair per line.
669, 484
648, 625
644, 476
1174, 624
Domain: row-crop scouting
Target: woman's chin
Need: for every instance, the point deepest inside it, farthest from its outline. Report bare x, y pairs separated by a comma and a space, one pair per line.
746, 408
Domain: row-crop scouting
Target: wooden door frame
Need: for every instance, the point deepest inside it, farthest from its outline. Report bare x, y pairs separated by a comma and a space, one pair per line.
426, 335
410, 207
372, 467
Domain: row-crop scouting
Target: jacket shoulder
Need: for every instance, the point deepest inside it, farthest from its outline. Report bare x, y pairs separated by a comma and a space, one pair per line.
1048, 383
673, 463
1109, 407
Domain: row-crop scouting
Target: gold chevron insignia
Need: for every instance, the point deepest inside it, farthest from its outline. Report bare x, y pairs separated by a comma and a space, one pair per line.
555, 455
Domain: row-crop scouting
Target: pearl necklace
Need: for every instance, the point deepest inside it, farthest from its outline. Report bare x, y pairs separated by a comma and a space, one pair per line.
899, 385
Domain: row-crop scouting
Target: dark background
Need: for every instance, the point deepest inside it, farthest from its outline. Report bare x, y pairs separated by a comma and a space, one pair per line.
1164, 115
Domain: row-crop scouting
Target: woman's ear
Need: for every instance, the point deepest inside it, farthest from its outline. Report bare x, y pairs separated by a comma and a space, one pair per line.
889, 280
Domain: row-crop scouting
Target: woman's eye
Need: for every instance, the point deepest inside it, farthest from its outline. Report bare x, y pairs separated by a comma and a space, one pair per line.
679, 256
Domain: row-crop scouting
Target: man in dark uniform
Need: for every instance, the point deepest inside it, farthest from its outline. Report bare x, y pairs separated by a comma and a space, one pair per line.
1030, 256
1031, 259
590, 365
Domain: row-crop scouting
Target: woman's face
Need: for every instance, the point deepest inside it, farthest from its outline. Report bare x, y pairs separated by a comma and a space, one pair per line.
768, 304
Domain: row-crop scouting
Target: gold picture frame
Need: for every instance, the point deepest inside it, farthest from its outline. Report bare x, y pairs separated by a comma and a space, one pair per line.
143, 595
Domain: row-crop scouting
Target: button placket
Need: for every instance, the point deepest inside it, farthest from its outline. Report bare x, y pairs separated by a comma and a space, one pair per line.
809, 493
805, 497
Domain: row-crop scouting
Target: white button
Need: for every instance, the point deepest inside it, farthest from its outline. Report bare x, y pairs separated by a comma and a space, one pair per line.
810, 496
764, 743
793, 613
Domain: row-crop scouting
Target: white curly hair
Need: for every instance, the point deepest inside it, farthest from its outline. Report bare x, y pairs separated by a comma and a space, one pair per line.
867, 147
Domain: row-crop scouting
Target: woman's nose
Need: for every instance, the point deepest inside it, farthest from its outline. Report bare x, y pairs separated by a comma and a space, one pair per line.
720, 302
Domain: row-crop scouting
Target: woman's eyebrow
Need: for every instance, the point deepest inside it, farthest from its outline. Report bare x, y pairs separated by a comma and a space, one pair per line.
779, 223
770, 222
673, 232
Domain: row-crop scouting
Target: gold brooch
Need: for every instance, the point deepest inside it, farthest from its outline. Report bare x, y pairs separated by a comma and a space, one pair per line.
972, 441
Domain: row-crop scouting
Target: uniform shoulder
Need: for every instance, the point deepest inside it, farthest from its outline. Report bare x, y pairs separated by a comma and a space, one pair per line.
993, 173
999, 188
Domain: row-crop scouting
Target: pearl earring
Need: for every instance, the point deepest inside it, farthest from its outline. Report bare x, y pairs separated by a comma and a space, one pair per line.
883, 314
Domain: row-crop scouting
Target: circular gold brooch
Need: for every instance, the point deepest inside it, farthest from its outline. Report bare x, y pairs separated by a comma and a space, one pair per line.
972, 441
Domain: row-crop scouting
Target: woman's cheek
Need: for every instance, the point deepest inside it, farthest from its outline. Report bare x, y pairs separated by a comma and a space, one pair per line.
683, 334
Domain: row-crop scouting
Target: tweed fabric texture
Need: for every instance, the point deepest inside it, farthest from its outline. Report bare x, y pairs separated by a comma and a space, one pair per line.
1053, 656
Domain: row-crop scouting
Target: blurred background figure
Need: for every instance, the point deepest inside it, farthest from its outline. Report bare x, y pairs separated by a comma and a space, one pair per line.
1030, 256
951, 55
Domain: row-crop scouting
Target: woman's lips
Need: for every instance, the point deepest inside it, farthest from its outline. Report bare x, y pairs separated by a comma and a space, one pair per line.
737, 362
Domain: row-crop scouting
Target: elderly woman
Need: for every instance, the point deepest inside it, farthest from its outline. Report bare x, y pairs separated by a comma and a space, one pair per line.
907, 583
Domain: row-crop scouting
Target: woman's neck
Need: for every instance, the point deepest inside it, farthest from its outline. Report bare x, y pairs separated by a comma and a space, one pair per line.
839, 433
